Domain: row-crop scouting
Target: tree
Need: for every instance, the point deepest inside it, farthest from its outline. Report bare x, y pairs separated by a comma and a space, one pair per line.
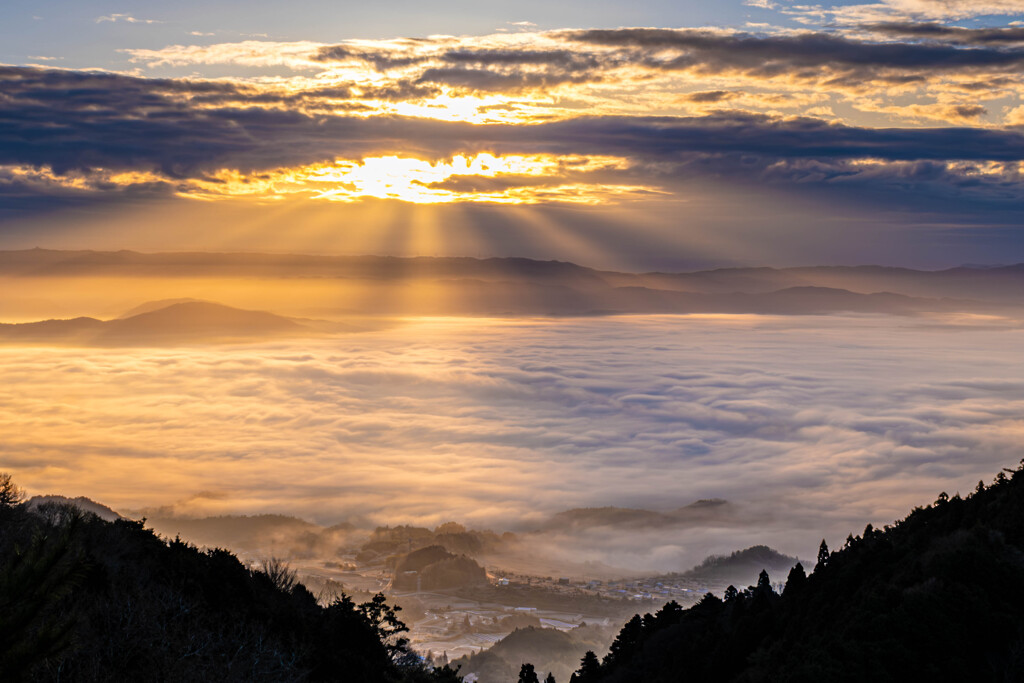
730, 594
34, 580
796, 579
627, 643
764, 584
822, 555
590, 669
10, 494
384, 618
446, 674
527, 674
279, 572
550, 678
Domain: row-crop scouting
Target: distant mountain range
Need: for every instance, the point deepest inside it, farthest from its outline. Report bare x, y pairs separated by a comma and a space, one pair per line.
178, 322
378, 285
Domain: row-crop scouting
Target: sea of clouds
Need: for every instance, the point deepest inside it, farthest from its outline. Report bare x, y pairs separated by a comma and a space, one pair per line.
810, 426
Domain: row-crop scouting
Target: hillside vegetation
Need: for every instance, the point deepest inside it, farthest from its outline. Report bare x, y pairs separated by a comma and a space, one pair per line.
939, 596
83, 599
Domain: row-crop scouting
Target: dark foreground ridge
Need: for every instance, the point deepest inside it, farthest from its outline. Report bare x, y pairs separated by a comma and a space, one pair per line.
83, 599
939, 596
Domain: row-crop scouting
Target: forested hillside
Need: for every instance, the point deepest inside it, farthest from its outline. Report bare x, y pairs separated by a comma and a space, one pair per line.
939, 596
82, 599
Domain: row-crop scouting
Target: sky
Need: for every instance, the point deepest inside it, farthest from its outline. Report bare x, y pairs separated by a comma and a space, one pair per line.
639, 136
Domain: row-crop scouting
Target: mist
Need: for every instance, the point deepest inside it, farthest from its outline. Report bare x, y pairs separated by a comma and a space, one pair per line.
809, 426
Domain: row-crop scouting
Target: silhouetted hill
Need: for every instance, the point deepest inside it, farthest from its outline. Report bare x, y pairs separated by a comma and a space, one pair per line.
578, 518
82, 503
550, 650
181, 322
278, 535
389, 541
585, 518
150, 306
939, 596
741, 566
83, 599
990, 284
434, 568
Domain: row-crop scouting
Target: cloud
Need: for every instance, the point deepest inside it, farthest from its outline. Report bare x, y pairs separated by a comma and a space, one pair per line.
956, 9
803, 111
900, 10
1008, 35
101, 126
126, 18
496, 422
711, 96
706, 50
625, 57
546, 75
75, 134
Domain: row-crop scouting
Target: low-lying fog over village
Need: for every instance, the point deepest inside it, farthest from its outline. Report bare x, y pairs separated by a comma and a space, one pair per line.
465, 592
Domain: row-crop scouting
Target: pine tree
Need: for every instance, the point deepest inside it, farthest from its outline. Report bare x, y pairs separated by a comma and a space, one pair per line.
822, 555
527, 674
796, 579
590, 669
627, 642
764, 584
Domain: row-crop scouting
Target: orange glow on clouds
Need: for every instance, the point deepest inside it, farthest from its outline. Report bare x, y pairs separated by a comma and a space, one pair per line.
512, 179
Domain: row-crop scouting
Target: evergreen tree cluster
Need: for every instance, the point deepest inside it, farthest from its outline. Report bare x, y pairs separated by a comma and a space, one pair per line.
82, 599
939, 596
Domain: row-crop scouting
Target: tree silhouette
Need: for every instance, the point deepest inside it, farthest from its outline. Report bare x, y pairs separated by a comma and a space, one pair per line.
34, 580
10, 495
764, 584
279, 572
384, 618
83, 599
822, 555
796, 579
590, 669
627, 642
527, 674
936, 596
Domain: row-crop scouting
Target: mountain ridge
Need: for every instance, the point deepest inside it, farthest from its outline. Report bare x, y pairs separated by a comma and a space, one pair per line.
936, 596
182, 322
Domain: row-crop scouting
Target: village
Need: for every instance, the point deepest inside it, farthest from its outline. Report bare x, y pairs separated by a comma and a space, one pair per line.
450, 623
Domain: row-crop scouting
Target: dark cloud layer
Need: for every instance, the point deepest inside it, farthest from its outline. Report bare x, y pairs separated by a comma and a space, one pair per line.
75, 122
1010, 35
707, 50
78, 120
925, 49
